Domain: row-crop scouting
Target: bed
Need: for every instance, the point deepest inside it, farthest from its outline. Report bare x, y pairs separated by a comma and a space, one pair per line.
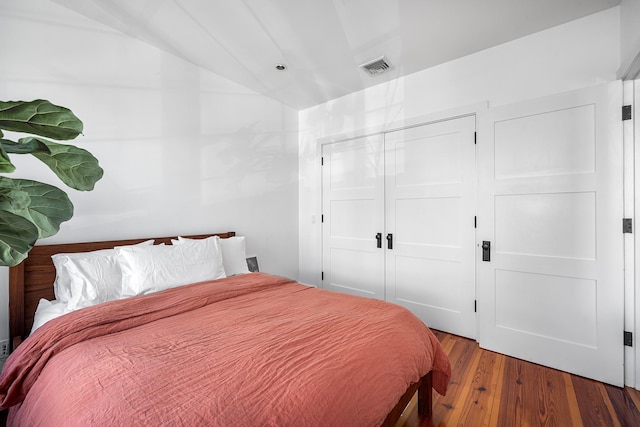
250, 349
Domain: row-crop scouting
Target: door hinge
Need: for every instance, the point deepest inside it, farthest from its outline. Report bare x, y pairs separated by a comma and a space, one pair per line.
322, 275
628, 338
627, 225
475, 305
321, 161
322, 218
626, 112
475, 222
475, 137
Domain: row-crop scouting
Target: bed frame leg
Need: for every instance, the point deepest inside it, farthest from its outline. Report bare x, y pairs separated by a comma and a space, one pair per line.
425, 397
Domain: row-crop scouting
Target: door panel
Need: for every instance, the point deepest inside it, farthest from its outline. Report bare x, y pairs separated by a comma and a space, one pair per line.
546, 144
560, 225
353, 209
430, 208
550, 201
521, 297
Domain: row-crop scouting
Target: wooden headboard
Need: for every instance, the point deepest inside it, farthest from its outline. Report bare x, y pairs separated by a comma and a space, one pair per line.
33, 278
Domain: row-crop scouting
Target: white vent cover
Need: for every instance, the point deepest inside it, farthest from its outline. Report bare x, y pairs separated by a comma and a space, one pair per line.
377, 66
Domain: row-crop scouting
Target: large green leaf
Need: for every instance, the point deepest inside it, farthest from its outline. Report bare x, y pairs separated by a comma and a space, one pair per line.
24, 146
14, 198
42, 204
5, 163
17, 237
39, 117
75, 166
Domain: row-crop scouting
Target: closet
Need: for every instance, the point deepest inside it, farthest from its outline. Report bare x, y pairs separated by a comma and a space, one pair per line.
398, 220
519, 229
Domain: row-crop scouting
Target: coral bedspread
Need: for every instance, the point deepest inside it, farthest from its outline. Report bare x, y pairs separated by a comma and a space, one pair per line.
246, 350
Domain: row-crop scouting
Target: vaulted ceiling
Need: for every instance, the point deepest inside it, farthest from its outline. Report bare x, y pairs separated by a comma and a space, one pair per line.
322, 42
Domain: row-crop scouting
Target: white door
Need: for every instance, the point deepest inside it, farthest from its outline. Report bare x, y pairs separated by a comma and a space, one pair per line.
430, 208
353, 209
550, 204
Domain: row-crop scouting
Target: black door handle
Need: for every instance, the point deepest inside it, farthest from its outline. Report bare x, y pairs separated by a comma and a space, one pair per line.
379, 240
486, 251
389, 241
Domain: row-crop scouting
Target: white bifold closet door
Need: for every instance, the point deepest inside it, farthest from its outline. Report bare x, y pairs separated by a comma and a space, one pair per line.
353, 212
399, 220
550, 204
430, 206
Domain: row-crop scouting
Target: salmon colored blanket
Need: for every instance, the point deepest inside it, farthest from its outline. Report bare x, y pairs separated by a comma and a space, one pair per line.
246, 350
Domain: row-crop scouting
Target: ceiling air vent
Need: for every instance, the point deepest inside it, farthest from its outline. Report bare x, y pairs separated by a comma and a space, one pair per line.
377, 66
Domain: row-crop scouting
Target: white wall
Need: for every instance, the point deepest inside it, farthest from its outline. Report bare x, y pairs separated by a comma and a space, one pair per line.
578, 54
184, 151
629, 32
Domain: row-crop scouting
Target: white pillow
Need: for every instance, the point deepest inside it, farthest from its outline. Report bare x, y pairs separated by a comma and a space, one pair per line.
155, 268
88, 278
234, 255
48, 310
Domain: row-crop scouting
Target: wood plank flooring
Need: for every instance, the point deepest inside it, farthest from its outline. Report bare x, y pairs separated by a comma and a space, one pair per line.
490, 389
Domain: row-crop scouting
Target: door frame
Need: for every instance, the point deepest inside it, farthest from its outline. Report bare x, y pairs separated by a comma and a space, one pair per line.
631, 138
470, 110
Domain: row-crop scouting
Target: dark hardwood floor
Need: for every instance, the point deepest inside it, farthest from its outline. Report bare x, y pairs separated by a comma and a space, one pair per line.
490, 389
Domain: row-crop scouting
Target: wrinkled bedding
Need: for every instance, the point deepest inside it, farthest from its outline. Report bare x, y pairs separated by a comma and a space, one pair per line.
246, 350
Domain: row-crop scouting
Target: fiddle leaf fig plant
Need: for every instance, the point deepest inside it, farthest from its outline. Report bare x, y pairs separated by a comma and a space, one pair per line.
31, 210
